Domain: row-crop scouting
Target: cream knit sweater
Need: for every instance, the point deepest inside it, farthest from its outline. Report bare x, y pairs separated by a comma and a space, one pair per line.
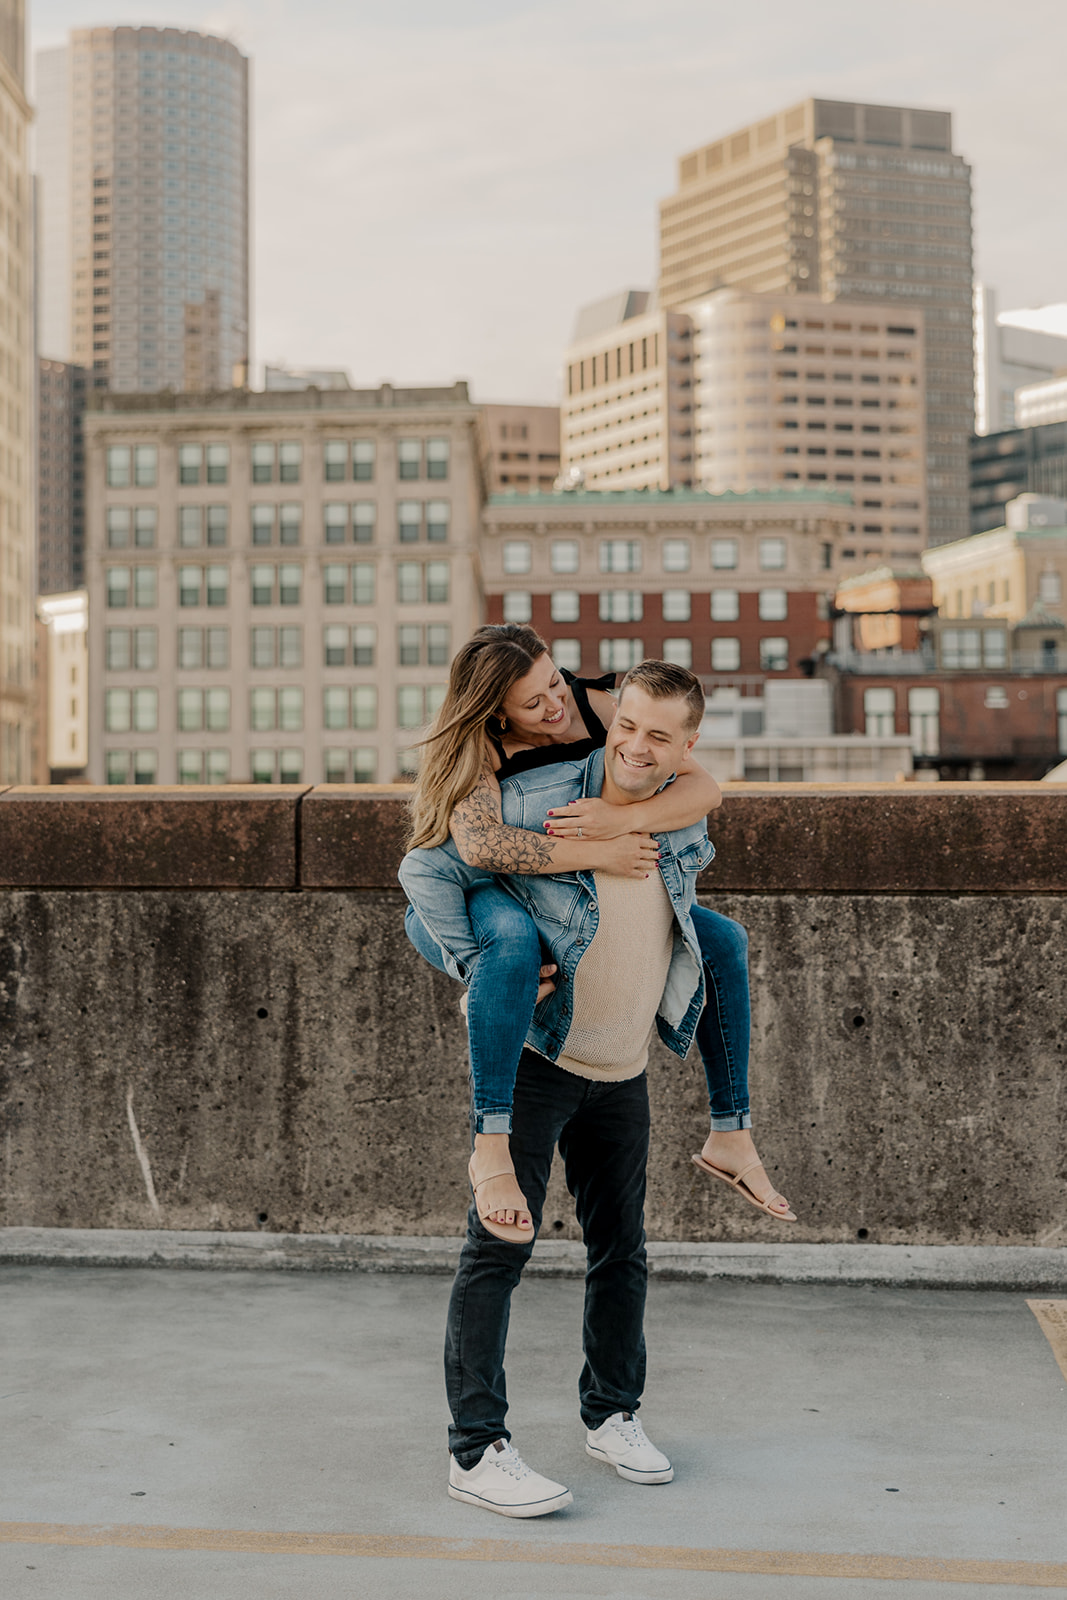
619, 980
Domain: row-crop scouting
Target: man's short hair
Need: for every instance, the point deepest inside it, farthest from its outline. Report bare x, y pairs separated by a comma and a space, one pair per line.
664, 680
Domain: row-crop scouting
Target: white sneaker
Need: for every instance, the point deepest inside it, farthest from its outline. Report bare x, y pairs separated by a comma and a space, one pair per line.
623, 1443
501, 1481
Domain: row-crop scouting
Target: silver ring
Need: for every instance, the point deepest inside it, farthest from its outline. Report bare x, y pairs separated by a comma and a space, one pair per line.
579, 833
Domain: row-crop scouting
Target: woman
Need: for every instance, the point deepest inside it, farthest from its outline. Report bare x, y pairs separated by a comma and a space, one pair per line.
508, 708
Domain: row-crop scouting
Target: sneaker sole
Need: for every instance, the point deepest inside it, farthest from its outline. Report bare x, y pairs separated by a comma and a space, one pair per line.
665, 1475
537, 1508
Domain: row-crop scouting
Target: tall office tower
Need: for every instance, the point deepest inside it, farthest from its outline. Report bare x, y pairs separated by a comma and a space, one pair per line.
143, 161
60, 477
16, 407
840, 201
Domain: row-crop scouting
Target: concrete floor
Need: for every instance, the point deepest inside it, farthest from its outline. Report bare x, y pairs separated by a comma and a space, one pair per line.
313, 1402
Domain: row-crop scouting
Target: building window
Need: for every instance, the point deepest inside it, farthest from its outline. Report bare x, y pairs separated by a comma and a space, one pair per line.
680, 651
621, 605
190, 766
364, 706
567, 654
119, 522
772, 554
290, 456
190, 584
1061, 721
438, 644
190, 460
362, 583
335, 638
408, 583
262, 464
409, 521
677, 605
289, 581
1049, 588
676, 555
138, 766
961, 648
437, 581
262, 709
145, 466
409, 706
773, 605
145, 587
290, 522
620, 555
995, 647
565, 605
335, 460
119, 470
119, 654
879, 713
774, 655
131, 709
190, 526
619, 655
517, 556
723, 554
118, 587
335, 706
518, 606
408, 645
363, 460
335, 766
725, 605
565, 556
408, 459
924, 721
263, 766
725, 655
335, 522
438, 517
291, 709
203, 647
217, 519
218, 586
218, 463
334, 585
262, 580
437, 458
364, 514
262, 524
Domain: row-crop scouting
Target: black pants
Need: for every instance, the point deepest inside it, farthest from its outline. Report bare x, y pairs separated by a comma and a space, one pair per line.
602, 1132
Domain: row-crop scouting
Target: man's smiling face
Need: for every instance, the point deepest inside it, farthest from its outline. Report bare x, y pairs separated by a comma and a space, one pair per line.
647, 742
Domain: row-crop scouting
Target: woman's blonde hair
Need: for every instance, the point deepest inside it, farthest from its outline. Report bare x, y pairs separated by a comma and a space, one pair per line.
456, 750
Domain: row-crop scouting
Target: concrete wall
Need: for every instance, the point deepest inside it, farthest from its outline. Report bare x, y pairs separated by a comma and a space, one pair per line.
210, 1018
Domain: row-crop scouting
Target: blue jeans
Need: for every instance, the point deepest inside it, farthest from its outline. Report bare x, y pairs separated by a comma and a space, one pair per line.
503, 988
602, 1132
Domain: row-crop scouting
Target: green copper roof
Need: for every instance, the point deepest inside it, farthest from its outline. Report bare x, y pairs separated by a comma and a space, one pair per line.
592, 498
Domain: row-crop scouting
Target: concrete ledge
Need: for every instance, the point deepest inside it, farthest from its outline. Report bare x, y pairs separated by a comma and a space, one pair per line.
1022, 1269
353, 835
771, 838
126, 837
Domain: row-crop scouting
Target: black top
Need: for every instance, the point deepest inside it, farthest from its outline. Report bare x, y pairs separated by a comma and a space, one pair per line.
543, 755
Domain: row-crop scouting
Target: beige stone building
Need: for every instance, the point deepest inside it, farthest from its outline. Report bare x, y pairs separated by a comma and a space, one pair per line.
626, 414
1017, 573
17, 566
277, 581
843, 201
520, 446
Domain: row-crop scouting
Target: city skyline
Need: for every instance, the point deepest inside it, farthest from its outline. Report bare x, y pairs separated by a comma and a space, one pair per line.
496, 209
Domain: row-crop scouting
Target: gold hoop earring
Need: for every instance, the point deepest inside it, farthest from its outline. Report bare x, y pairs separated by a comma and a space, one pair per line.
503, 724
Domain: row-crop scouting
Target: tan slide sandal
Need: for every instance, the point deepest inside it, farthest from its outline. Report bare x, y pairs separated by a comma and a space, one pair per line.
736, 1181
510, 1232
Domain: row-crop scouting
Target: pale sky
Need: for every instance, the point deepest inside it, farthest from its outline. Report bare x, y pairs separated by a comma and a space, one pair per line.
439, 186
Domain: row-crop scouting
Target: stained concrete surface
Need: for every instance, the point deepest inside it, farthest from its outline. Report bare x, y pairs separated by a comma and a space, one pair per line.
314, 1402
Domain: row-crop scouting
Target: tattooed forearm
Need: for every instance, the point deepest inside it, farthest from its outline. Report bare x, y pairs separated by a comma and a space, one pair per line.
484, 840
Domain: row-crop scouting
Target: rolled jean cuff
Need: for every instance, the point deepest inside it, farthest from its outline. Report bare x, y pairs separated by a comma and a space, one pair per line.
492, 1122
732, 1124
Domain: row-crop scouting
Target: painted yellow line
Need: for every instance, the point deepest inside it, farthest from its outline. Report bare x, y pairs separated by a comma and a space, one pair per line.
771, 1563
1052, 1319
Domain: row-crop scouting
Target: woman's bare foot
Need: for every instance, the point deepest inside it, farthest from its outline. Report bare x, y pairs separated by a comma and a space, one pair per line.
496, 1187
735, 1151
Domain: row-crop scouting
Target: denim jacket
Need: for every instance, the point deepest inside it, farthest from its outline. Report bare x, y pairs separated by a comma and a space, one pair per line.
564, 905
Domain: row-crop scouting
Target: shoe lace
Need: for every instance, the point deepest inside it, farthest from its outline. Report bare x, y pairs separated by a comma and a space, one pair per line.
509, 1460
630, 1431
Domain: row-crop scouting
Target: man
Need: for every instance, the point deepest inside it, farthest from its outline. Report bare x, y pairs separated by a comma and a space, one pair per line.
628, 960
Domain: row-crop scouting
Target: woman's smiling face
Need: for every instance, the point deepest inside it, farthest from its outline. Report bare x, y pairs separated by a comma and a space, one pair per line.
537, 705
